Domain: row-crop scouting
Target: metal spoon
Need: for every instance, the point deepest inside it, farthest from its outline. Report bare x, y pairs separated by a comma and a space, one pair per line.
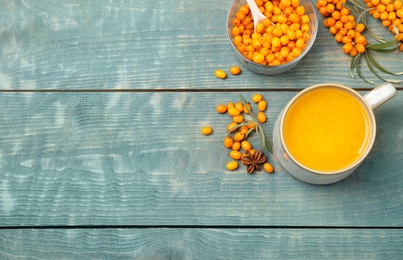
256, 14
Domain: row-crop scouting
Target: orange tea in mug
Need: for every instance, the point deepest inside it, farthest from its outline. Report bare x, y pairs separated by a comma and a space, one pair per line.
327, 129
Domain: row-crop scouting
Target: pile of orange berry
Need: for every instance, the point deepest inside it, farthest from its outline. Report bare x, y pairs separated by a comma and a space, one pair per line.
239, 129
342, 24
391, 14
278, 39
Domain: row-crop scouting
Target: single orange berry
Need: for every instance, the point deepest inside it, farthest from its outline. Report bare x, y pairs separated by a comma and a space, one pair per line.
232, 165
228, 142
234, 111
261, 117
261, 106
220, 74
268, 167
221, 108
239, 106
236, 155
236, 146
244, 129
246, 146
239, 136
238, 119
256, 98
206, 130
235, 70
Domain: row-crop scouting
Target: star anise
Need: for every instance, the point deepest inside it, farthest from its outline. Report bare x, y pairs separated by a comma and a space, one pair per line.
253, 160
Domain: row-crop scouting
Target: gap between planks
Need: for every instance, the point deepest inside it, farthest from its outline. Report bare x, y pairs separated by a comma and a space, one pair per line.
199, 227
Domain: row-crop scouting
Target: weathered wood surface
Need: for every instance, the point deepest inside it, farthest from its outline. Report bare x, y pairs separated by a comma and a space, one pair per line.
105, 134
144, 45
201, 244
140, 159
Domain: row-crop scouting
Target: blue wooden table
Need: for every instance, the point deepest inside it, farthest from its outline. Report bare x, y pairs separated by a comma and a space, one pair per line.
101, 154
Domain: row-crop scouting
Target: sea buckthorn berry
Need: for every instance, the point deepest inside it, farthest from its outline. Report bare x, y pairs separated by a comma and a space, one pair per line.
238, 119
354, 52
322, 3
228, 142
390, 8
246, 146
240, 15
330, 21
345, 11
244, 9
351, 34
347, 47
336, 15
261, 106
333, 29
235, 31
258, 57
221, 108
397, 4
360, 27
300, 43
244, 129
295, 3
232, 166
346, 39
236, 146
234, 111
239, 106
300, 10
268, 167
360, 39
232, 127
230, 105
305, 18
236, 155
360, 48
235, 70
239, 136
261, 117
330, 8
220, 74
257, 97
206, 130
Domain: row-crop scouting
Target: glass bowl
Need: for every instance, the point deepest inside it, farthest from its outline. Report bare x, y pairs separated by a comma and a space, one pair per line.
310, 10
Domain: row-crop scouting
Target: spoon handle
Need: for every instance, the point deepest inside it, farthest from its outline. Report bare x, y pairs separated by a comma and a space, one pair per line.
256, 13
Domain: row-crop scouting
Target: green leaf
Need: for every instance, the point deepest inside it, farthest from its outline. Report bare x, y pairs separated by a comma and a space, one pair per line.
360, 75
354, 62
371, 68
385, 45
379, 67
386, 50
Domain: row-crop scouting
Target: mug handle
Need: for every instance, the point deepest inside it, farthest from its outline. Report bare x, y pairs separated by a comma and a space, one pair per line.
380, 94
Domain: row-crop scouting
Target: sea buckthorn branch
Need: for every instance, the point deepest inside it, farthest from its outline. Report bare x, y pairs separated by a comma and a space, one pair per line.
348, 30
259, 130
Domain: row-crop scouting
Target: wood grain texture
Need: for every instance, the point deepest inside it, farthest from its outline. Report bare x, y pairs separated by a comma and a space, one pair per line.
138, 44
201, 244
140, 159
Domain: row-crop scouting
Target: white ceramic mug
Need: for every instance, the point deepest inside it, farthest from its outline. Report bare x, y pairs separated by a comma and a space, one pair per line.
369, 101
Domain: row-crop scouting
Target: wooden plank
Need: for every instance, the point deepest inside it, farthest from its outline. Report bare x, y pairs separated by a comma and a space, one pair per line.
159, 243
140, 159
145, 45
